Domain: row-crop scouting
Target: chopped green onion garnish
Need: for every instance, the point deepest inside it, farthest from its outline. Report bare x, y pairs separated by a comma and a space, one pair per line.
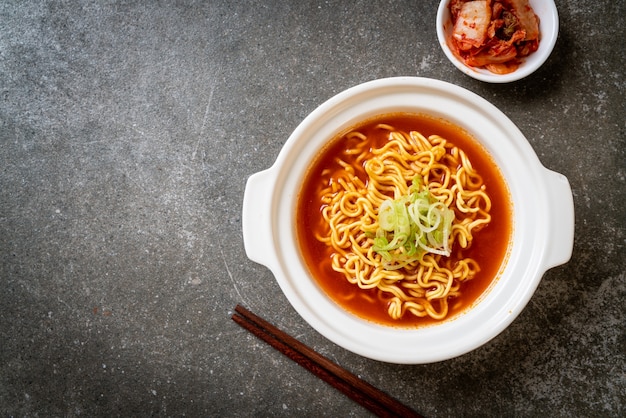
412, 225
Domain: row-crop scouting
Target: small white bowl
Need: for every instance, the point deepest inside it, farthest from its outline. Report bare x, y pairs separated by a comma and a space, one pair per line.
548, 27
543, 220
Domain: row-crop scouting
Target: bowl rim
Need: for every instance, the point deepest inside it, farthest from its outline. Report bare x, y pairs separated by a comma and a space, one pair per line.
548, 27
529, 254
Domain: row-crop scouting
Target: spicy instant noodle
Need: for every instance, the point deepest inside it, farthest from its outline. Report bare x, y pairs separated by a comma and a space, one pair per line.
404, 220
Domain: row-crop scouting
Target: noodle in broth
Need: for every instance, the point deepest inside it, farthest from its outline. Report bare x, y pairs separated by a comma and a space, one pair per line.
353, 195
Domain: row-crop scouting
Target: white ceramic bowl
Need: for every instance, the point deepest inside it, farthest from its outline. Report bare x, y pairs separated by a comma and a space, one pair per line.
543, 220
548, 27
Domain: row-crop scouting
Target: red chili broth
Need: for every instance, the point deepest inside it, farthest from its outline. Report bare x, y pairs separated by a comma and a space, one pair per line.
490, 244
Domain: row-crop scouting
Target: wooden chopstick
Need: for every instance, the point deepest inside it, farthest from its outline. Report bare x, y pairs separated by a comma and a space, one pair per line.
358, 390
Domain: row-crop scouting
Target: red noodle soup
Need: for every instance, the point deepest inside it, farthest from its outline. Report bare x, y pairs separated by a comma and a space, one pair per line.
488, 248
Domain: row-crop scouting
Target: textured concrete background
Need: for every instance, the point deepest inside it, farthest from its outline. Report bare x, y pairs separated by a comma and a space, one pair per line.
127, 132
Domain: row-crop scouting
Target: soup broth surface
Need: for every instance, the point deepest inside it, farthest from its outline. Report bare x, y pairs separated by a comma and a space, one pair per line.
489, 248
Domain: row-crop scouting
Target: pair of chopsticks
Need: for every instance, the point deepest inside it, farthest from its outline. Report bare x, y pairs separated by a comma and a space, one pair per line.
358, 390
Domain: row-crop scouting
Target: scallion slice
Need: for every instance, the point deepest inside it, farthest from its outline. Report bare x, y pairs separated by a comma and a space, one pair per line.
412, 225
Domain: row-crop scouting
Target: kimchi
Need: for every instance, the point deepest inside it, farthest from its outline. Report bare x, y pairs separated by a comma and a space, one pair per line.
493, 34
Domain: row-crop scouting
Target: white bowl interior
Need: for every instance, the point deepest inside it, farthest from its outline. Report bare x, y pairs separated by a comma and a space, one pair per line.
548, 26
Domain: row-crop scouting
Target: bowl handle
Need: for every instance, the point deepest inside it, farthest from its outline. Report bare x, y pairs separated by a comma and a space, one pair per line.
256, 218
561, 226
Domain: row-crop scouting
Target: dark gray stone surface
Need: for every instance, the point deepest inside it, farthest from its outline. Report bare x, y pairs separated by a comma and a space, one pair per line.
127, 132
